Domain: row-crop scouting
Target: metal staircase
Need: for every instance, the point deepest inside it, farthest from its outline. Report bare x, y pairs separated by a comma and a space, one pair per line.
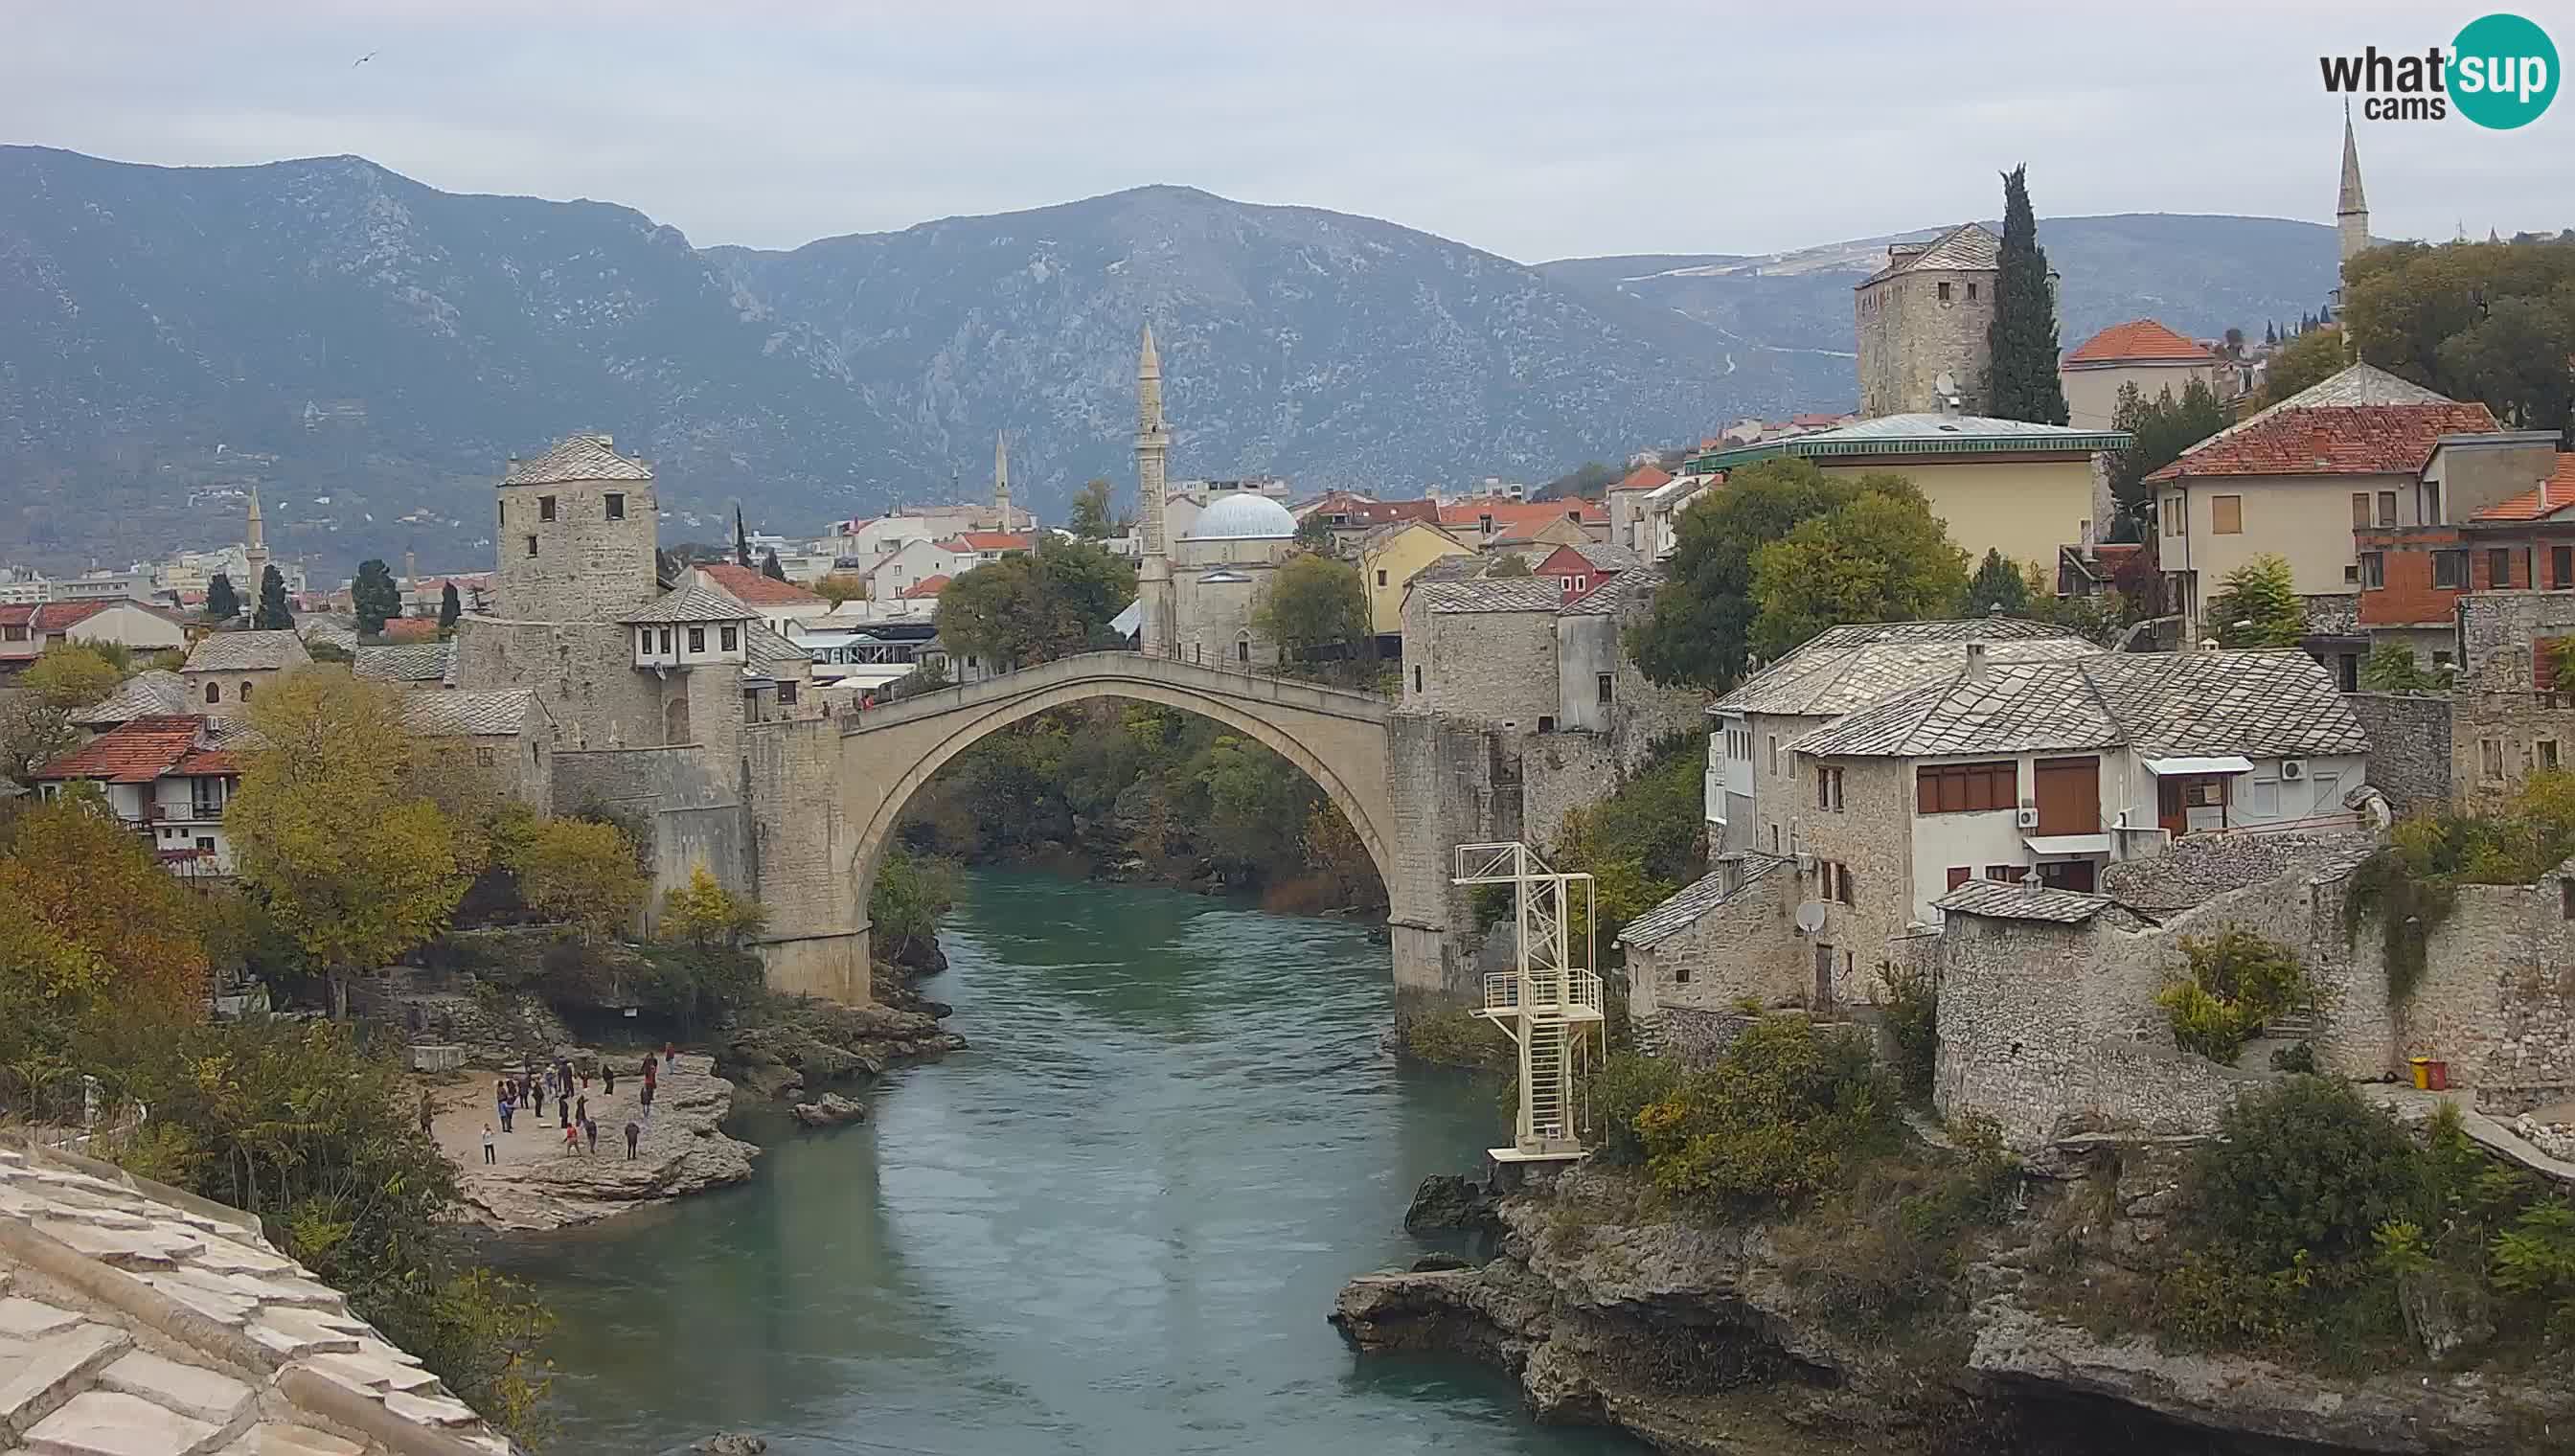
1549, 1005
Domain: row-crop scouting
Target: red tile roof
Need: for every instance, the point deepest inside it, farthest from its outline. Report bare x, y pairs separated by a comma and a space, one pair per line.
751, 589
2554, 494
926, 587
1512, 517
410, 629
2137, 338
1819, 422
1386, 513
208, 763
131, 753
1644, 478
996, 539
2330, 440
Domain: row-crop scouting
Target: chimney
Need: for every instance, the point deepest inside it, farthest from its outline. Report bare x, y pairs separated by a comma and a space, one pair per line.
1975, 662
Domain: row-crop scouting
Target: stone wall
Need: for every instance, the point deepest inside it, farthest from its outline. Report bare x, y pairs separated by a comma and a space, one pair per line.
2409, 746
1908, 336
1485, 667
1560, 773
1449, 784
585, 568
679, 796
584, 673
1743, 947
1694, 1038
1872, 835
2498, 737
800, 861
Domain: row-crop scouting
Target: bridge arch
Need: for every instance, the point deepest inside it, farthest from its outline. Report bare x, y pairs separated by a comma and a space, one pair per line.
1336, 738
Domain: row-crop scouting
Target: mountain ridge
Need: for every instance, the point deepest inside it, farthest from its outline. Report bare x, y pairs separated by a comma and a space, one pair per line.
369, 347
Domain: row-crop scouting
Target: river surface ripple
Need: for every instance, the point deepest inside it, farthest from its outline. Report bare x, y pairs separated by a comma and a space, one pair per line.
1112, 1226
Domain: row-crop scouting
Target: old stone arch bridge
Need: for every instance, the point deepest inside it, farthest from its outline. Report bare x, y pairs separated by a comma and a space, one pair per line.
1383, 769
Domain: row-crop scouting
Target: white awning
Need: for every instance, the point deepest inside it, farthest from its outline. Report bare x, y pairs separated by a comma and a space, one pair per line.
2226, 763
2045, 844
1129, 621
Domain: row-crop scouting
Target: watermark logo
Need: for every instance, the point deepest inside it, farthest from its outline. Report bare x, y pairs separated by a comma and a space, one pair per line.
2500, 72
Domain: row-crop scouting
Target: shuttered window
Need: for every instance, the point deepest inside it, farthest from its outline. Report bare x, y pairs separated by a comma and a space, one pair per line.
1966, 787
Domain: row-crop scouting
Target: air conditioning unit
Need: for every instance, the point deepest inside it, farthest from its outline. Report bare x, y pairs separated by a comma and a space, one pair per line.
2027, 819
2293, 770
1805, 864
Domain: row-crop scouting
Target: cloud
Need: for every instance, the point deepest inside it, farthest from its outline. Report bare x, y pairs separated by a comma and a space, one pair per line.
1535, 131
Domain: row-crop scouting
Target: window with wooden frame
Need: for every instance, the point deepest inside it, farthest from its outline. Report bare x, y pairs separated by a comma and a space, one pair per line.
2490, 760
2450, 569
2387, 508
2226, 515
1945, 788
2360, 510
2373, 570
1829, 788
2499, 568
2005, 874
2561, 567
1960, 874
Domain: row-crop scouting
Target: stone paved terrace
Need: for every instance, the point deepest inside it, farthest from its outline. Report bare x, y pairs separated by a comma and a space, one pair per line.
136, 1321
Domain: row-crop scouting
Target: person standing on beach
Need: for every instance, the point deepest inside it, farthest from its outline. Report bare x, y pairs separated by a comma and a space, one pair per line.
572, 1138
581, 1109
506, 1106
590, 1132
428, 1113
634, 1130
608, 1076
488, 1157
537, 1096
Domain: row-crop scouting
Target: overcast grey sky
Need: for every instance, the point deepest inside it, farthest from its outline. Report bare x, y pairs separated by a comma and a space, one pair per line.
1532, 130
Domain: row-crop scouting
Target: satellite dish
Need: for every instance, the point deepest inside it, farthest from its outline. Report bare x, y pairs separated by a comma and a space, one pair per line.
1945, 383
1811, 918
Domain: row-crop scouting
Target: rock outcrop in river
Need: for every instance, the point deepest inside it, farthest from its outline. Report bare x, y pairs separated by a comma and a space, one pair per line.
1695, 1339
680, 1149
811, 1043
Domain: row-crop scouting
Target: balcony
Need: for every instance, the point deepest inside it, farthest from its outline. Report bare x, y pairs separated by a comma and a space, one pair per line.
1572, 995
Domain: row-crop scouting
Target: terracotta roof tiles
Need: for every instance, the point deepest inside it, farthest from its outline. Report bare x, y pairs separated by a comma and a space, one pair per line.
2332, 440
132, 753
2551, 496
2139, 339
754, 588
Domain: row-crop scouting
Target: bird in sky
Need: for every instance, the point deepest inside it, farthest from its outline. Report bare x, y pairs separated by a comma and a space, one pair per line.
362, 60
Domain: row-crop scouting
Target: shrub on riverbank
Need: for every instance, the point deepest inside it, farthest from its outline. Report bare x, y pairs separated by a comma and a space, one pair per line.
1641, 844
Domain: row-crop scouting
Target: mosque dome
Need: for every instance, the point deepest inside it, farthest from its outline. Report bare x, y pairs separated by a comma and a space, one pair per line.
1244, 517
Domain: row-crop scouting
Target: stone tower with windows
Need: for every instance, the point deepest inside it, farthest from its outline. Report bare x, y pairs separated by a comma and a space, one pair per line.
1925, 315
576, 529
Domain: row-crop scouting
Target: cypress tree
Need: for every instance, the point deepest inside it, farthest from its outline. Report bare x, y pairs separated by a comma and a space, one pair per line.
374, 596
271, 614
449, 608
769, 567
2022, 339
740, 539
223, 604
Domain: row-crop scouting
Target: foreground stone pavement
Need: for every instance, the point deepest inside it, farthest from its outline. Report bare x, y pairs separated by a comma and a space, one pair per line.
136, 1321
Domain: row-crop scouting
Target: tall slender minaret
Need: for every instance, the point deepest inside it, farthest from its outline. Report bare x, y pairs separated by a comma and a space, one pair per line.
1002, 480
254, 550
1156, 632
2351, 210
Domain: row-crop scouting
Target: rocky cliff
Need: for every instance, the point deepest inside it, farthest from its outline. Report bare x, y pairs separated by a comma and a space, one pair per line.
1707, 1340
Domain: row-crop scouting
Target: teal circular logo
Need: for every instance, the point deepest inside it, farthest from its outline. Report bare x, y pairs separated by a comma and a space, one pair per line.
2503, 72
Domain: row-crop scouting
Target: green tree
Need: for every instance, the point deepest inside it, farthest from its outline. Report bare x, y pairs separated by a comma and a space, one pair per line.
271, 614
1998, 586
221, 603
374, 596
450, 608
704, 914
1879, 557
2515, 360
2491, 322
1314, 533
2163, 427
1590, 480
1087, 580
769, 567
1031, 607
2022, 339
2307, 360
841, 587
1317, 609
1090, 519
2393, 668
2257, 606
580, 871
71, 674
912, 894
1698, 631
355, 863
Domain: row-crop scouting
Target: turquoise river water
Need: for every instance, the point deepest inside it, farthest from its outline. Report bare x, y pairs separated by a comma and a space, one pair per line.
1112, 1227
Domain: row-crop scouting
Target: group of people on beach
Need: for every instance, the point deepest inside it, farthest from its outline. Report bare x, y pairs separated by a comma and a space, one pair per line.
571, 1090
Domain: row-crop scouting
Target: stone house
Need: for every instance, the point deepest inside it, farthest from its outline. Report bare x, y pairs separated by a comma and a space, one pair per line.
2360, 439
2510, 713
153, 693
226, 669
507, 732
2049, 1021
2000, 484
1921, 323
2143, 353
407, 664
1658, 528
1624, 503
166, 777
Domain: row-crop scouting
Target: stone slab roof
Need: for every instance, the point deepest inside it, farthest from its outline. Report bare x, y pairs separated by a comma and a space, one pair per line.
1845, 668
136, 1321
577, 457
690, 604
1694, 900
1965, 247
1613, 598
2000, 902
404, 662
2259, 704
154, 694
1493, 593
247, 651
765, 648
452, 715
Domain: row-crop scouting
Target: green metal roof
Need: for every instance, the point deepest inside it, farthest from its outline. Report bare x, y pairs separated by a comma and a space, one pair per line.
1917, 435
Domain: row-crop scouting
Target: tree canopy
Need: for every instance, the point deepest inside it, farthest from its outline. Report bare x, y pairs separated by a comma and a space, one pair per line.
334, 833
841, 587
580, 871
1998, 586
1699, 628
1317, 609
2493, 322
769, 567
2309, 359
2257, 606
374, 596
2163, 426
450, 608
2023, 338
1031, 607
1879, 557
223, 604
1090, 519
72, 674
271, 614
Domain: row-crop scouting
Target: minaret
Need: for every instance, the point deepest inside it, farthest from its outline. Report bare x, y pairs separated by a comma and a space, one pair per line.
1153, 448
2351, 211
1002, 480
254, 550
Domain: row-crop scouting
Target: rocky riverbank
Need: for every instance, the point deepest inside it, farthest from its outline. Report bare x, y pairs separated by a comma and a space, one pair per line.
535, 1184
1708, 1339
